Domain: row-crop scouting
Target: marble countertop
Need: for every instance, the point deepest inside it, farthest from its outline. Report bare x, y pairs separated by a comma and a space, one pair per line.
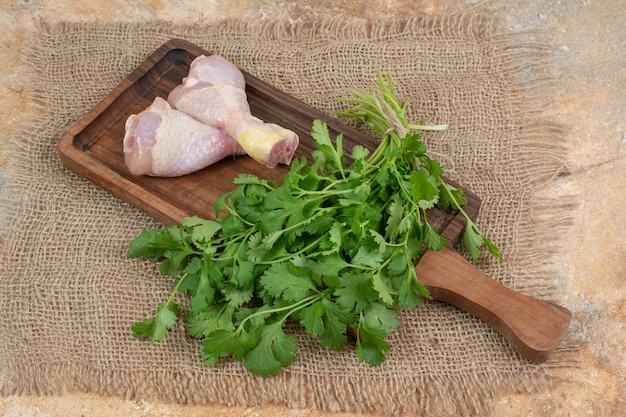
589, 38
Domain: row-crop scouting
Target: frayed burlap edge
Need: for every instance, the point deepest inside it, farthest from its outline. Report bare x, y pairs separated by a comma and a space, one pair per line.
438, 396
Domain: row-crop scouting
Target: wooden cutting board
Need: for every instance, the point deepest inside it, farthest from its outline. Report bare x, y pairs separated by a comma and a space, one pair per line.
93, 149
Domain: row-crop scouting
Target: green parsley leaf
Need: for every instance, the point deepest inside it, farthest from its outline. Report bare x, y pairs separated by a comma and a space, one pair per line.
356, 292
274, 351
371, 345
359, 152
217, 344
331, 153
336, 321
366, 257
472, 240
412, 293
424, 189
376, 323
383, 288
282, 280
154, 244
236, 296
203, 294
433, 240
329, 265
311, 318
214, 317
202, 231
450, 196
157, 328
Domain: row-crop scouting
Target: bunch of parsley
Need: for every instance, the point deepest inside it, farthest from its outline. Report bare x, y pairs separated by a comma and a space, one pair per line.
332, 247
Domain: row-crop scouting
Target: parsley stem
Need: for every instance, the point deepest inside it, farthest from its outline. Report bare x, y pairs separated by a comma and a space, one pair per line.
228, 241
293, 307
327, 191
427, 127
455, 202
175, 290
233, 212
470, 223
290, 255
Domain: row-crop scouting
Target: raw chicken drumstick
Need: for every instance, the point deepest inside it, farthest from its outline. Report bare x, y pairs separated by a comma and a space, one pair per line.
214, 93
165, 142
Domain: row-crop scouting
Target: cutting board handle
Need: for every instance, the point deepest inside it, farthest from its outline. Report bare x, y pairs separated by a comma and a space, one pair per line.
533, 327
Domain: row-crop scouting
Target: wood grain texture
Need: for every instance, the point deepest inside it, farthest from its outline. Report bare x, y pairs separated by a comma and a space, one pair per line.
93, 149
533, 327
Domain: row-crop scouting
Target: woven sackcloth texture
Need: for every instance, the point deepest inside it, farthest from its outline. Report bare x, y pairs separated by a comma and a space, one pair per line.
69, 293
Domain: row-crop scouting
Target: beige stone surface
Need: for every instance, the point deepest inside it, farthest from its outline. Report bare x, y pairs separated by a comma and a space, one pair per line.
589, 38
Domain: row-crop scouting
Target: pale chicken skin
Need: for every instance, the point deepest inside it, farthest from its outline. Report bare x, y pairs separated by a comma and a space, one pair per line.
214, 93
165, 142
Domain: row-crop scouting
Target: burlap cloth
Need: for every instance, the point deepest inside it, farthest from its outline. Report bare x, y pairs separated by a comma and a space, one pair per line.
69, 294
